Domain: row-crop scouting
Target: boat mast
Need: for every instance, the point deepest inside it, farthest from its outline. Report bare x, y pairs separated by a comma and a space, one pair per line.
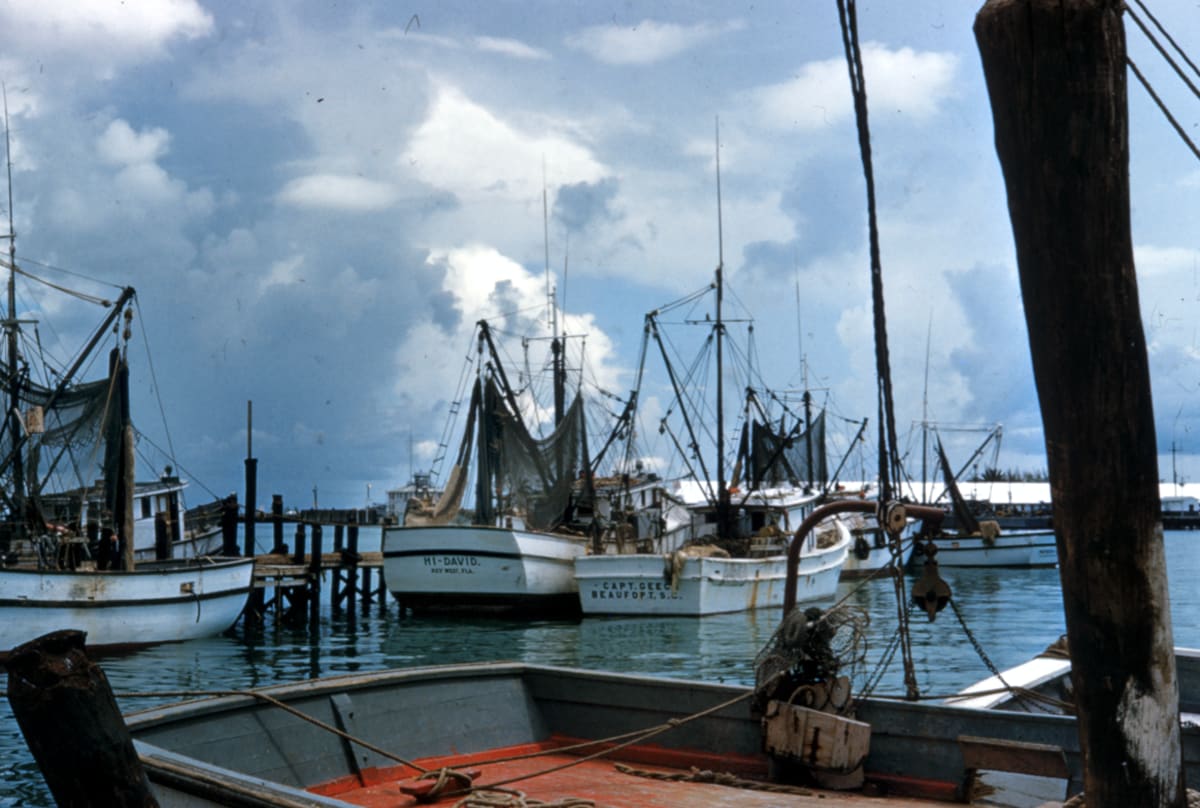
10, 327
556, 347
723, 514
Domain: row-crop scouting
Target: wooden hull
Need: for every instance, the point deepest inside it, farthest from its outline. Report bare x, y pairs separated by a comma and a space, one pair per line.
648, 585
464, 567
233, 750
151, 605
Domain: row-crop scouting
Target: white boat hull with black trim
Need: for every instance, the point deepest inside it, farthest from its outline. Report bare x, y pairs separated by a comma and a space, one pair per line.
652, 585
1034, 548
155, 603
463, 567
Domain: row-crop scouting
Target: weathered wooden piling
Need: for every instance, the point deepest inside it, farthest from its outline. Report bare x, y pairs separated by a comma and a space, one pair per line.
299, 542
314, 576
335, 583
71, 722
251, 480
1056, 77
277, 525
229, 526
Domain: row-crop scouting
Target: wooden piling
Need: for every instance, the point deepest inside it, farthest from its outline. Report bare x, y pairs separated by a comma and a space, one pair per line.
335, 594
229, 526
314, 577
277, 524
1056, 78
71, 722
251, 480
298, 551
352, 551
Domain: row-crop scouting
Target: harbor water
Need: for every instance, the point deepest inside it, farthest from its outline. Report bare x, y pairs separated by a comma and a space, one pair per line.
1007, 614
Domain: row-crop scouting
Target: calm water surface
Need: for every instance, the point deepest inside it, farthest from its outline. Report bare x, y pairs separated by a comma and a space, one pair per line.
1013, 614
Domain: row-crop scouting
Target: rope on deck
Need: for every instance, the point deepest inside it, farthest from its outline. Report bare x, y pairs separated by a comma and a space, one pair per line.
716, 778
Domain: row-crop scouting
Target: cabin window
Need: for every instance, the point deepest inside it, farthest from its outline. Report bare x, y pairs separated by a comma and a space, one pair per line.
145, 507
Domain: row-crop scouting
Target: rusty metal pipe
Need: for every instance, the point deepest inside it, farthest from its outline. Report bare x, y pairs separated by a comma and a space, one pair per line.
923, 512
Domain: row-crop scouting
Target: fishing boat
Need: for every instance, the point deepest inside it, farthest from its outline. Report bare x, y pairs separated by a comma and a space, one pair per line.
974, 536
515, 550
162, 528
722, 548
68, 541
686, 569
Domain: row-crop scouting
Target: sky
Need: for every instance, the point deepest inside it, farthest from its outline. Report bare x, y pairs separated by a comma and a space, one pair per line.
317, 201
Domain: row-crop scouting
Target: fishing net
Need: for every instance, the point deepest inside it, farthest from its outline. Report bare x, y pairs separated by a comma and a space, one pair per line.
814, 654
777, 459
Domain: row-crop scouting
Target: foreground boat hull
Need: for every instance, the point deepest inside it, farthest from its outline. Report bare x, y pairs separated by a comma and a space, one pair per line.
154, 604
228, 750
648, 584
461, 567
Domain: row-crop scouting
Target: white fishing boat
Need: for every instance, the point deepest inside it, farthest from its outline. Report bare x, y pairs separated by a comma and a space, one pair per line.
515, 549
972, 537
60, 434
689, 578
1007, 548
159, 601
717, 544
162, 528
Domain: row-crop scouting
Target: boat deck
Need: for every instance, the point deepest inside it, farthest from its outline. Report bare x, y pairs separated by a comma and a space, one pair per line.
542, 772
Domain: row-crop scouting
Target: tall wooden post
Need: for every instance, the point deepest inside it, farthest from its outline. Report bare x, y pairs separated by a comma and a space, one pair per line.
314, 576
278, 546
1055, 73
335, 596
251, 481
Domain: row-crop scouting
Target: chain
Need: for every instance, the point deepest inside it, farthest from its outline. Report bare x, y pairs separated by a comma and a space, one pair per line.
974, 642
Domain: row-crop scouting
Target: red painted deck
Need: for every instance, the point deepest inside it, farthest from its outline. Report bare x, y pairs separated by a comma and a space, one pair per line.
600, 781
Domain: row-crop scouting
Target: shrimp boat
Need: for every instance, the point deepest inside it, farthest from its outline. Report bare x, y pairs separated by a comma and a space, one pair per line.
515, 551
720, 548
67, 542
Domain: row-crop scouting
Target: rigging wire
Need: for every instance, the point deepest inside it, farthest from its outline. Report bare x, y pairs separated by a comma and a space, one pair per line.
1179, 130
154, 380
1162, 106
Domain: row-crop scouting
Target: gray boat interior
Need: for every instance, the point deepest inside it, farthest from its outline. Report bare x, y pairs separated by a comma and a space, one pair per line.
228, 747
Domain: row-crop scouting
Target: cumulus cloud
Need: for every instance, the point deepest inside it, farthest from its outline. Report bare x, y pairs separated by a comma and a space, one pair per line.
646, 42
464, 148
911, 83
338, 192
97, 30
121, 145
